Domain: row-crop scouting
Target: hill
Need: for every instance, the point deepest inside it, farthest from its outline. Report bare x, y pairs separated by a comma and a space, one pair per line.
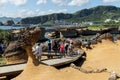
98, 13
4, 19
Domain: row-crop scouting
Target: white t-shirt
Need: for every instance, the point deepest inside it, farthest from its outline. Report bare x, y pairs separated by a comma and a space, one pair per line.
39, 50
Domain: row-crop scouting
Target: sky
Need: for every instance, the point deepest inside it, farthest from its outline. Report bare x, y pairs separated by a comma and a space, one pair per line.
30, 8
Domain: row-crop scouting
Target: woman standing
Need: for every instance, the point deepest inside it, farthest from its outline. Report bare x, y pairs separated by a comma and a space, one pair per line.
62, 49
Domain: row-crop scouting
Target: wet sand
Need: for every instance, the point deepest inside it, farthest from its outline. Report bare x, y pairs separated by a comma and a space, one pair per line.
103, 55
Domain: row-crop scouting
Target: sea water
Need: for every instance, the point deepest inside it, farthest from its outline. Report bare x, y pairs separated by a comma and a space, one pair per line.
18, 27
10, 27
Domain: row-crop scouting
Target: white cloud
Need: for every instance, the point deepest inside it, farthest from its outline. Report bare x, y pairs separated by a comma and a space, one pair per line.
2, 2
60, 2
41, 2
25, 13
6, 14
28, 13
22, 13
15, 2
106, 1
18, 2
78, 2
1, 14
57, 11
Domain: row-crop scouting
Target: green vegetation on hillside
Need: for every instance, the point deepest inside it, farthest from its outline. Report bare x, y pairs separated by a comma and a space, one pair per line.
51, 22
99, 13
5, 36
96, 27
3, 60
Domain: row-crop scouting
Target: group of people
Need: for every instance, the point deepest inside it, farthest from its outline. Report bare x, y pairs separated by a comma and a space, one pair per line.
64, 48
60, 47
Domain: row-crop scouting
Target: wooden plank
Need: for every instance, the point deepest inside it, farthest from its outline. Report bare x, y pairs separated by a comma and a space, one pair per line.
50, 54
62, 61
10, 69
4, 70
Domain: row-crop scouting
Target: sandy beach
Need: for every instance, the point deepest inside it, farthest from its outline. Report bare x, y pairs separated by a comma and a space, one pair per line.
103, 55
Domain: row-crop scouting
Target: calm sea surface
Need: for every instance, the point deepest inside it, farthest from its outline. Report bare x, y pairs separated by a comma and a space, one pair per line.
18, 27
10, 27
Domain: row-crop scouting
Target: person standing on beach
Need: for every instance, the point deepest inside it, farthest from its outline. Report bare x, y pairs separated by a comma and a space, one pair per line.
66, 47
55, 47
70, 49
62, 49
38, 51
49, 48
